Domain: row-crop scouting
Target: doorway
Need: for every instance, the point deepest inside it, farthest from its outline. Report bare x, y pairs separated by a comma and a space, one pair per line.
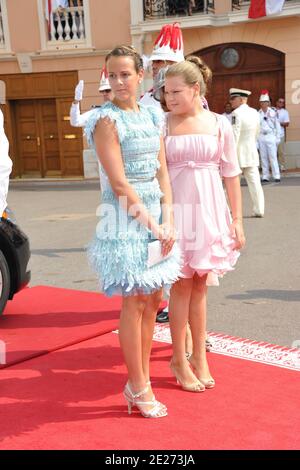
37, 138
243, 65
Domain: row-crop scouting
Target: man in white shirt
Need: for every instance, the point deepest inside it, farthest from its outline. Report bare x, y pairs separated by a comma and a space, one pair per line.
245, 125
228, 112
5, 166
269, 138
284, 120
79, 120
163, 54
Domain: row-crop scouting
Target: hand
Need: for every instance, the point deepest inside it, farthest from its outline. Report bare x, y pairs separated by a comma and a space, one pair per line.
237, 232
79, 91
167, 236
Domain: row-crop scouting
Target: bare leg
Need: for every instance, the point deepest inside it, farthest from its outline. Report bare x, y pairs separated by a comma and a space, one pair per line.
131, 341
179, 309
148, 323
188, 340
197, 318
130, 335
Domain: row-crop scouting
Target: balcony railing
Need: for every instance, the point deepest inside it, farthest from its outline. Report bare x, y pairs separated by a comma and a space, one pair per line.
154, 9
67, 24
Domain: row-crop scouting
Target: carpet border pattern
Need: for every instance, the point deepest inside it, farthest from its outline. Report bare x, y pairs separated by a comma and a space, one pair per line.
257, 351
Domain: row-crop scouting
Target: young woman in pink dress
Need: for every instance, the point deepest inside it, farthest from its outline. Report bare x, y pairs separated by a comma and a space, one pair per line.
200, 153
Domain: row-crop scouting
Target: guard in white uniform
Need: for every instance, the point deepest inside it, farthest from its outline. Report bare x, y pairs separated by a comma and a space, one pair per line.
269, 138
79, 120
246, 127
284, 120
168, 49
5, 166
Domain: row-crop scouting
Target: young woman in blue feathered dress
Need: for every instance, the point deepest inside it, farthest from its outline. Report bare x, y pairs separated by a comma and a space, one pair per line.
136, 207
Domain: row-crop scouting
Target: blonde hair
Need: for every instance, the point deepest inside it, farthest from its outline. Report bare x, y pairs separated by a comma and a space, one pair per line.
193, 70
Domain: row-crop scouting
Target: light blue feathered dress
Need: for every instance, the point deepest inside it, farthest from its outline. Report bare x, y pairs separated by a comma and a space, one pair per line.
119, 251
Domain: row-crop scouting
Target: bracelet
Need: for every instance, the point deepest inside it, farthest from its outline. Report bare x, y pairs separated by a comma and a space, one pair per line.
237, 218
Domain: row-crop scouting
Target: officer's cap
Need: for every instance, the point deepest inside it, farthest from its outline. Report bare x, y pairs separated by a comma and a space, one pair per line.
238, 92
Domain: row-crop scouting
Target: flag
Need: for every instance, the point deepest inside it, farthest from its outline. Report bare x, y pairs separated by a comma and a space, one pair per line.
48, 9
260, 8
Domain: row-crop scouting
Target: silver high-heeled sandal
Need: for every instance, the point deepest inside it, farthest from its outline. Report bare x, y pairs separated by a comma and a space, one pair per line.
154, 399
156, 411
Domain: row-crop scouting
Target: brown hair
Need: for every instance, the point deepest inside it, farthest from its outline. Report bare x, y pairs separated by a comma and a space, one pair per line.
127, 51
193, 70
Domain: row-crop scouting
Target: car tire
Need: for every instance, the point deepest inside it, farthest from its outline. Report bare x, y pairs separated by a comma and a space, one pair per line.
4, 282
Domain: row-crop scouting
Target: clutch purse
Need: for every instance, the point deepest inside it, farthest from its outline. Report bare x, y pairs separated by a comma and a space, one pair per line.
155, 255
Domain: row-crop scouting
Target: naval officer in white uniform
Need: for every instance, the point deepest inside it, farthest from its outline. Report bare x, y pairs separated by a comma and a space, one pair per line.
269, 138
246, 128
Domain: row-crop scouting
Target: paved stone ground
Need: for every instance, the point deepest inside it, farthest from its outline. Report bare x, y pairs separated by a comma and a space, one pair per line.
260, 300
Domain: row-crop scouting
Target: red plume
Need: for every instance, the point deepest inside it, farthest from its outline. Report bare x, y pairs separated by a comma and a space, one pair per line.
164, 36
176, 39
104, 72
264, 92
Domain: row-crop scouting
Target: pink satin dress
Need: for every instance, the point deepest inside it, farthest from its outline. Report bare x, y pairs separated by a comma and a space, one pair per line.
197, 163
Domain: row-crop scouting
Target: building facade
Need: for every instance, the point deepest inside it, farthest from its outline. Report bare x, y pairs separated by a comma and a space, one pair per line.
243, 53
44, 54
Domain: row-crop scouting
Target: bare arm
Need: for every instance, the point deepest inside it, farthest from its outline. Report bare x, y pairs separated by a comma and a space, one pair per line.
167, 201
165, 186
109, 153
233, 189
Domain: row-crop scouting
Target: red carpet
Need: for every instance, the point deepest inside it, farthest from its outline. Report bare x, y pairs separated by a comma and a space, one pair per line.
68, 396
43, 319
71, 399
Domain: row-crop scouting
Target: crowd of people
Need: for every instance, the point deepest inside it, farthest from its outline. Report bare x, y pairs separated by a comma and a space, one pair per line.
273, 122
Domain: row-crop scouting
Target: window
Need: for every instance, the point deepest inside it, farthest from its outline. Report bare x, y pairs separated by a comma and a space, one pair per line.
162, 8
64, 24
65, 20
4, 36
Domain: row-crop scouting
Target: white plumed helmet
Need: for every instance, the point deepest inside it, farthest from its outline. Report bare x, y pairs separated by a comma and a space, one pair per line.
104, 83
169, 44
